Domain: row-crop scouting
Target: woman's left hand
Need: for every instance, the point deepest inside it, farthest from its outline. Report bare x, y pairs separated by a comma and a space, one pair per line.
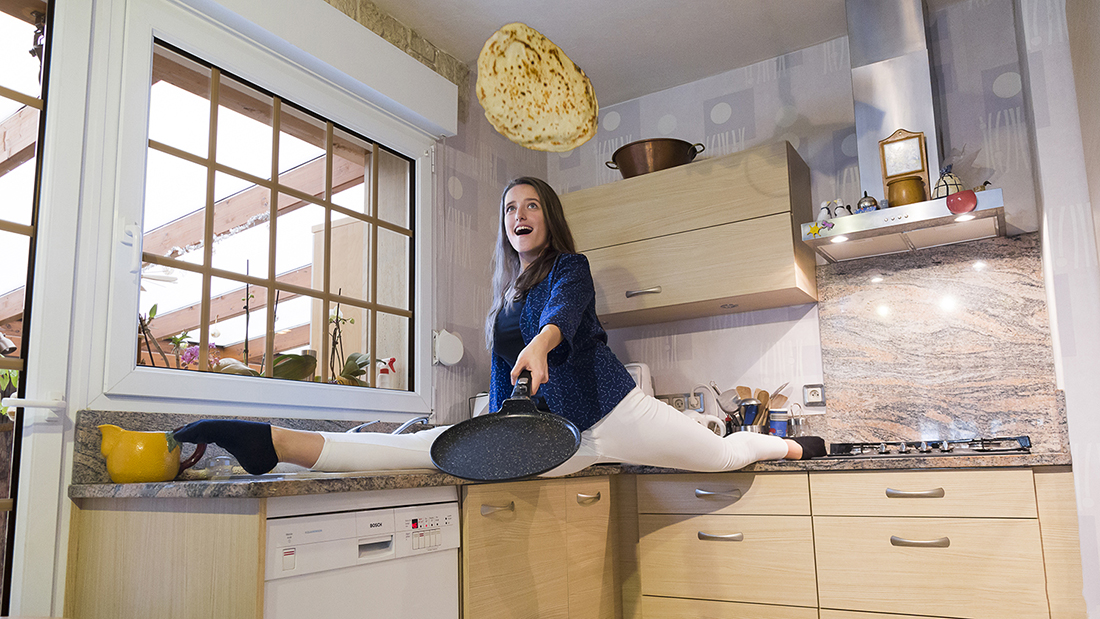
533, 356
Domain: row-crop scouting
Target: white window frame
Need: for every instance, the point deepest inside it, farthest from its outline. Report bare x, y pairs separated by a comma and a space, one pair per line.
219, 34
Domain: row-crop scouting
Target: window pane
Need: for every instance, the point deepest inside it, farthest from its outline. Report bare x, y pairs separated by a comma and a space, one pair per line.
179, 102
293, 338
17, 186
393, 342
350, 250
11, 317
13, 286
241, 228
175, 197
237, 307
349, 344
172, 297
300, 243
393, 188
393, 269
244, 128
20, 68
350, 162
302, 152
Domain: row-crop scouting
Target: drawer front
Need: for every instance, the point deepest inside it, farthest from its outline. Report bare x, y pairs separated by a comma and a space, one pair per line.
772, 563
725, 493
990, 568
678, 608
731, 260
1002, 493
705, 193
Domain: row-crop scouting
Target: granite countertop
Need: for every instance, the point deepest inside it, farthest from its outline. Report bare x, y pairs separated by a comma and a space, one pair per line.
306, 482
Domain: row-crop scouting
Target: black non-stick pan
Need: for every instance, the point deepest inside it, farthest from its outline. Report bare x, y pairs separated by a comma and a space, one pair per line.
515, 442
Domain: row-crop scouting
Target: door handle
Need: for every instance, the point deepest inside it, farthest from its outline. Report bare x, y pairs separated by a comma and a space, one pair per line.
491, 509
732, 494
732, 537
936, 493
942, 542
55, 404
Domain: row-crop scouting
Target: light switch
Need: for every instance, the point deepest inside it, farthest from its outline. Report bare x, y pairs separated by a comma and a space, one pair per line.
288, 559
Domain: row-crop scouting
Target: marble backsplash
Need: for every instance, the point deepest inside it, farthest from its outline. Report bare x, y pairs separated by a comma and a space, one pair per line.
952, 342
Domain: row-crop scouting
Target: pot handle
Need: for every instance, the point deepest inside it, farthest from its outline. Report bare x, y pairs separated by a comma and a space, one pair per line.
612, 164
523, 385
698, 148
200, 449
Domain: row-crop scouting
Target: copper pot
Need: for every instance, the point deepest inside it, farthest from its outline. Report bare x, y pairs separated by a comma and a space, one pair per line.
645, 156
905, 190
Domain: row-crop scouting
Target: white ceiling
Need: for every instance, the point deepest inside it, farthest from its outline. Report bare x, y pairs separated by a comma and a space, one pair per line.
630, 48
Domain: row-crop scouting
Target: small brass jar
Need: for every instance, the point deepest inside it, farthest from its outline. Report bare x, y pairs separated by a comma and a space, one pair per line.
905, 190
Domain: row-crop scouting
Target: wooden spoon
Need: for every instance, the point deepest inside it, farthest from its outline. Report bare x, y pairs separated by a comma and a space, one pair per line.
743, 392
762, 418
777, 401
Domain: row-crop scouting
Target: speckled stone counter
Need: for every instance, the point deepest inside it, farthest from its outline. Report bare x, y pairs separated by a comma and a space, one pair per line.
278, 484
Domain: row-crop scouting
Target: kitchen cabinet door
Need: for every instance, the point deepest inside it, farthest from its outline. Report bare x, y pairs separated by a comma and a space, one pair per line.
592, 592
514, 552
981, 568
760, 559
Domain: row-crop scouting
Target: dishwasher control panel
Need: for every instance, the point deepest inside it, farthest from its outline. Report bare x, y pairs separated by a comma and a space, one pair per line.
426, 528
300, 545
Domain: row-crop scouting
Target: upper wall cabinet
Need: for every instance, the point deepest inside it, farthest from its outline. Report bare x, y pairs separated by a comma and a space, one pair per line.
712, 237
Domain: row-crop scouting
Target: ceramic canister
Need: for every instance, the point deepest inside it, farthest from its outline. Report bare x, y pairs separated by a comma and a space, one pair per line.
905, 190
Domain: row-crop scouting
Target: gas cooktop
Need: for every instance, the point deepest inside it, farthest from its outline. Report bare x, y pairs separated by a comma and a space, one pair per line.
956, 447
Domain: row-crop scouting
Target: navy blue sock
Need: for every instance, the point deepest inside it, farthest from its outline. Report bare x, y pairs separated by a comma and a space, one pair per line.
248, 441
812, 446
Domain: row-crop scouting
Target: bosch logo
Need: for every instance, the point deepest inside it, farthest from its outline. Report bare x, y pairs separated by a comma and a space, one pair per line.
375, 524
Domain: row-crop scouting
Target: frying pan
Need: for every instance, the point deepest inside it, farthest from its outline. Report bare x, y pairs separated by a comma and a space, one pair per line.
515, 442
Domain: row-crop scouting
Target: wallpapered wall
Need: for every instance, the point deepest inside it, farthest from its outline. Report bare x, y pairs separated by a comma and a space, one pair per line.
472, 169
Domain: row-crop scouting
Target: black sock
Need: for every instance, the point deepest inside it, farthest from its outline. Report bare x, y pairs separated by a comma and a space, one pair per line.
812, 446
248, 441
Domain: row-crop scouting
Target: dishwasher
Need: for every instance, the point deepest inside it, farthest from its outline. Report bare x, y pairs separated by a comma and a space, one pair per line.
383, 553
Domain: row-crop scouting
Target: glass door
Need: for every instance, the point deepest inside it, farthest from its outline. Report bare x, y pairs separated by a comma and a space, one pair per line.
22, 75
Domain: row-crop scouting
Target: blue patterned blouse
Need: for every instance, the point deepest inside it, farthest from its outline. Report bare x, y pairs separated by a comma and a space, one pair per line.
586, 379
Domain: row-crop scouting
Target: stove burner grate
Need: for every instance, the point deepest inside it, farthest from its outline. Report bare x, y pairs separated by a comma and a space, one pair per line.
954, 447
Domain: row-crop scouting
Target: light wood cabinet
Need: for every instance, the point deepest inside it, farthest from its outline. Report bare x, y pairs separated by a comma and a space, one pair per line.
728, 538
165, 558
538, 549
942, 543
1054, 493
712, 237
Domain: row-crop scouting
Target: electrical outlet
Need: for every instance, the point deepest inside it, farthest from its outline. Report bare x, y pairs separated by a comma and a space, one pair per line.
680, 401
813, 395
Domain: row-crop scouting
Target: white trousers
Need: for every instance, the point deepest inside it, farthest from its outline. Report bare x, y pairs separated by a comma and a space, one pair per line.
640, 430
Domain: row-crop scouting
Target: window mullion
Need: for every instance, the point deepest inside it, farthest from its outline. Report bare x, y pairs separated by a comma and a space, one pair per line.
208, 231
273, 215
326, 291
373, 264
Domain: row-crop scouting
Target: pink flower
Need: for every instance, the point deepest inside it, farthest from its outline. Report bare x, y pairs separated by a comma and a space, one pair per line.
191, 355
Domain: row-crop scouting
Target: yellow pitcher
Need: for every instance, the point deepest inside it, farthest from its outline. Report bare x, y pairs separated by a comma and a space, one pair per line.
143, 456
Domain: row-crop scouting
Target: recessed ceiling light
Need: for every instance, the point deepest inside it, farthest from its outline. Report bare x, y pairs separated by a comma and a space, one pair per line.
839, 239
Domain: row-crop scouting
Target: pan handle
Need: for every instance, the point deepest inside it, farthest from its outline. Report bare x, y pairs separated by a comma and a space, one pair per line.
523, 385
492, 509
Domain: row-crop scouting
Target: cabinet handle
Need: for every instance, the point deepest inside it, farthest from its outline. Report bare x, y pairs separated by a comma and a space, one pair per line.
732, 537
585, 498
634, 293
490, 509
919, 494
942, 542
732, 494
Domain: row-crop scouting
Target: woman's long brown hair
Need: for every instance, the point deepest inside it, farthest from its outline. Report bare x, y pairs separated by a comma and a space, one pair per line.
510, 281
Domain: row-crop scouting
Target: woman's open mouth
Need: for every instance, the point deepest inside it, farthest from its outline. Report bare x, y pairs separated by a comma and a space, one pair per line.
522, 230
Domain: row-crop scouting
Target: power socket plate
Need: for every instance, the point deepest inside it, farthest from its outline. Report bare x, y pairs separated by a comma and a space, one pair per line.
813, 395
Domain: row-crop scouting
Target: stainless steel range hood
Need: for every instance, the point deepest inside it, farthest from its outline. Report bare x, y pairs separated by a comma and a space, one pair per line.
891, 90
905, 228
